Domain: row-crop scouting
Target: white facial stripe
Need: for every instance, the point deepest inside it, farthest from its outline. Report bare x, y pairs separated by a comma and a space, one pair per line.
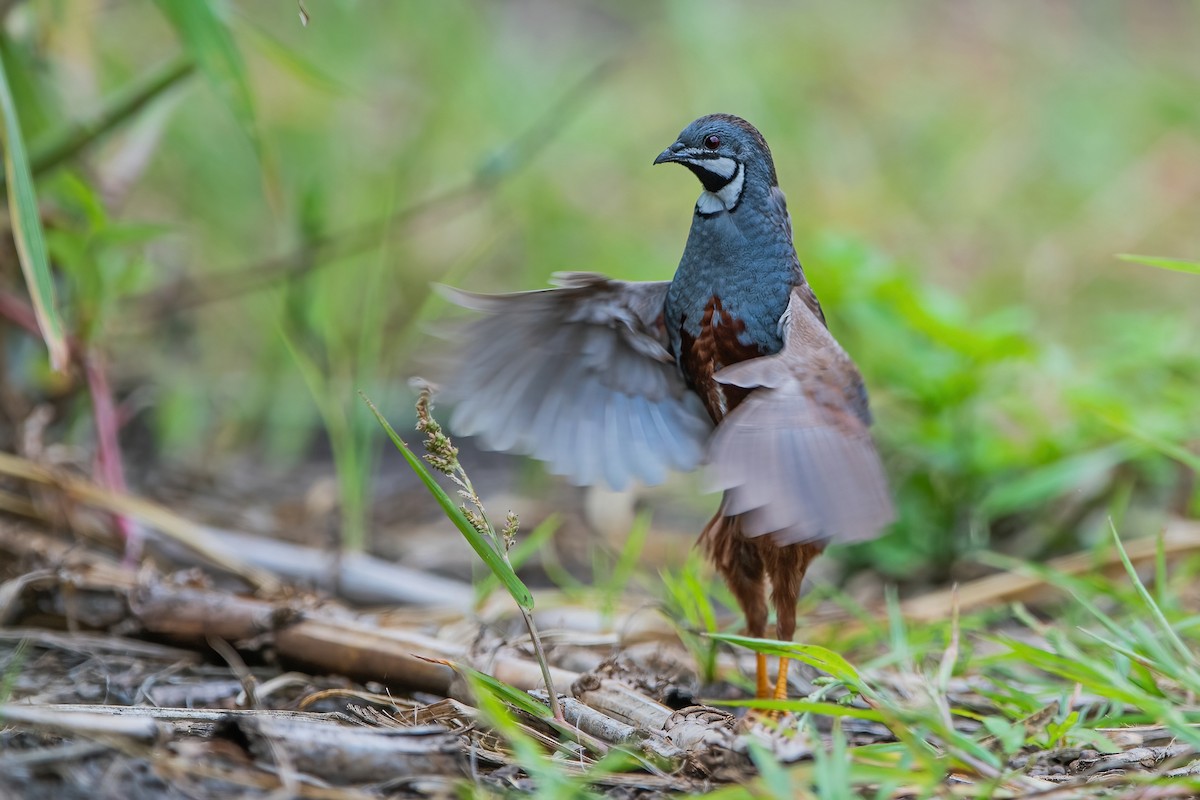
726, 199
725, 167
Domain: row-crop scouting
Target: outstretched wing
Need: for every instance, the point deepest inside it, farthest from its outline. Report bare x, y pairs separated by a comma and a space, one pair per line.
795, 458
579, 377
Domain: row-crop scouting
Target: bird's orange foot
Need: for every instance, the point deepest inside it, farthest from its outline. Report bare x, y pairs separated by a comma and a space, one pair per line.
764, 691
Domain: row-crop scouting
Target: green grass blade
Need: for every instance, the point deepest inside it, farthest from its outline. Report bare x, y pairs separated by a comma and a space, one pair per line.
832, 767
822, 658
493, 698
27, 230
801, 707
482, 547
1170, 449
525, 548
63, 144
351, 479
287, 58
631, 553
1173, 264
503, 691
1156, 612
1104, 683
706, 615
207, 38
774, 777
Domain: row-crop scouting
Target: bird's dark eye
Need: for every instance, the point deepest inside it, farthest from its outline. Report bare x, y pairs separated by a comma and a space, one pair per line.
712, 142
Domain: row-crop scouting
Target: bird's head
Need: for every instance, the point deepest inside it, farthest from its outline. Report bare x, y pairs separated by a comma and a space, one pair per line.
726, 153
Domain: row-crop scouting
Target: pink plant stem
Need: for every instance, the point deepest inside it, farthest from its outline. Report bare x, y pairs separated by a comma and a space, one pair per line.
108, 470
18, 312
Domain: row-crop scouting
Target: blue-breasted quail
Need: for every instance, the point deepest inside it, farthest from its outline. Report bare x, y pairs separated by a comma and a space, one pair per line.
729, 363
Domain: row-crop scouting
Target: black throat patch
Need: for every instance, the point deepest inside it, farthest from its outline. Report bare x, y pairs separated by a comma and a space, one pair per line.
711, 181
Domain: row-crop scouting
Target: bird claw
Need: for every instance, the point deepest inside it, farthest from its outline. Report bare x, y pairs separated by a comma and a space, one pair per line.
765, 721
756, 717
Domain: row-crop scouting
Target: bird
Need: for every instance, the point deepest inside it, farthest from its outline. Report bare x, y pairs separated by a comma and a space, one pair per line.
729, 366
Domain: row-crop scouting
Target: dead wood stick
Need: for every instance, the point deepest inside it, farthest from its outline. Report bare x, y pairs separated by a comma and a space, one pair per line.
1139, 758
347, 645
361, 578
97, 643
344, 754
1141, 735
24, 543
194, 615
622, 703
597, 724
318, 640
72, 721
360, 652
322, 640
96, 591
1179, 538
526, 674
69, 751
191, 767
600, 725
162, 519
201, 722
326, 746
666, 733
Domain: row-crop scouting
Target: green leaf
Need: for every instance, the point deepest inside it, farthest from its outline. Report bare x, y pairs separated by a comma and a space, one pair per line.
505, 692
482, 547
1170, 449
27, 230
774, 777
801, 707
61, 145
1102, 682
524, 549
1056, 732
1173, 264
831, 769
1010, 735
1155, 611
207, 38
287, 58
1033, 488
822, 658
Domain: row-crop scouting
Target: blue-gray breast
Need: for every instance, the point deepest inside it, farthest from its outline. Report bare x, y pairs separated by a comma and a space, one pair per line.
728, 364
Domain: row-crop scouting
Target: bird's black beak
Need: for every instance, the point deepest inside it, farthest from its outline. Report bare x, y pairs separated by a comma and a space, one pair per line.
672, 153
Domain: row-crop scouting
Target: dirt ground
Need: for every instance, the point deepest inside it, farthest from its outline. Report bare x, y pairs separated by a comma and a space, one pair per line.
204, 672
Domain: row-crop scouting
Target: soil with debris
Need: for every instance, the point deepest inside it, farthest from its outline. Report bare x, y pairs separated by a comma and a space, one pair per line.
206, 672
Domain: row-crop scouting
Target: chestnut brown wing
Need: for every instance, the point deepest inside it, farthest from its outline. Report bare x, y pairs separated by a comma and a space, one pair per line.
796, 459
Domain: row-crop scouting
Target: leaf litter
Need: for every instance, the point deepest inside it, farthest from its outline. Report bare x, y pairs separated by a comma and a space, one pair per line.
214, 679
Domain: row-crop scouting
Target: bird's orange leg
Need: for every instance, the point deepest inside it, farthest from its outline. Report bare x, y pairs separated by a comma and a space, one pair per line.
764, 682
785, 615
738, 561
786, 569
781, 684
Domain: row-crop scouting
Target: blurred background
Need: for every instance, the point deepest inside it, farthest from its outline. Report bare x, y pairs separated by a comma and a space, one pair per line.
250, 236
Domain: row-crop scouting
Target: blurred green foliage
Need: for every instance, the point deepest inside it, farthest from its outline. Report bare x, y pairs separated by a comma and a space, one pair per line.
1024, 380
990, 427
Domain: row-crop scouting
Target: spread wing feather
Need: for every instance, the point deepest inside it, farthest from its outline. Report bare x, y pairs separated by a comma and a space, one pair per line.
795, 459
580, 377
